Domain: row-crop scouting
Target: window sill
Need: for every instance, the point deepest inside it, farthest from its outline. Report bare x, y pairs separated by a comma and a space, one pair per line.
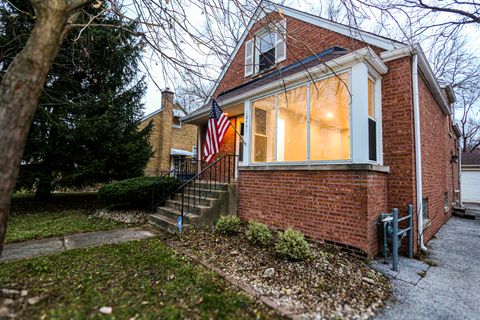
319, 167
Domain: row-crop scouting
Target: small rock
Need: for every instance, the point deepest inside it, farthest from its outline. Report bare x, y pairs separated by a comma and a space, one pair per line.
4, 313
268, 273
23, 293
7, 302
368, 280
234, 253
33, 300
10, 292
106, 310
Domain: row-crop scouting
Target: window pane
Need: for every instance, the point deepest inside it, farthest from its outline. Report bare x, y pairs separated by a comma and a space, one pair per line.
371, 99
292, 125
330, 119
267, 42
263, 129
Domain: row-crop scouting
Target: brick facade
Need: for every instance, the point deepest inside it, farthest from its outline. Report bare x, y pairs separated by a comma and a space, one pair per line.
344, 206
303, 40
165, 136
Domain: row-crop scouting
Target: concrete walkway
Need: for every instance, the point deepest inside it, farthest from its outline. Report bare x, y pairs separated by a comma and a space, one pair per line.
450, 290
43, 247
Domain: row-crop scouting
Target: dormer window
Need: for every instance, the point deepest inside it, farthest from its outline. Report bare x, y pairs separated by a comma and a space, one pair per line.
266, 51
267, 48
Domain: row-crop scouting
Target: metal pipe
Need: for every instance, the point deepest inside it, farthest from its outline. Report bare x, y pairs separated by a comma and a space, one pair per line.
418, 150
395, 239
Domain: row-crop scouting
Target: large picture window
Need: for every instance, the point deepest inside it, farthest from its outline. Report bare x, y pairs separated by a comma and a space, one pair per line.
330, 119
284, 132
263, 129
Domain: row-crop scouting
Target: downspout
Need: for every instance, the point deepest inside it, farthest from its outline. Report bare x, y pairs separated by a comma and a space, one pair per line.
459, 174
418, 149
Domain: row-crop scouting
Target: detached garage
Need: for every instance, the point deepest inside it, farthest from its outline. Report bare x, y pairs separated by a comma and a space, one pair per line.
470, 180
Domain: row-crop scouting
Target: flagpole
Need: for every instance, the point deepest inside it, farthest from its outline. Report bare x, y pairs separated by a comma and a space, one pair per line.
237, 132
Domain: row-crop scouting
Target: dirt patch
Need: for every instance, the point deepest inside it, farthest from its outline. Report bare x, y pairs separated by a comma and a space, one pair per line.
330, 284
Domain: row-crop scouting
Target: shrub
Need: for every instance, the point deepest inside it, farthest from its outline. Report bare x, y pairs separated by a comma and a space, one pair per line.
259, 233
141, 192
291, 245
228, 224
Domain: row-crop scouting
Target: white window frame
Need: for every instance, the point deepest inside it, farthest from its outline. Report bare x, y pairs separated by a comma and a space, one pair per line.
276, 28
358, 87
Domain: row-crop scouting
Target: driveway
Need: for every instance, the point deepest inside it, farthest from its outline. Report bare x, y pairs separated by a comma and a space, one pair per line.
450, 290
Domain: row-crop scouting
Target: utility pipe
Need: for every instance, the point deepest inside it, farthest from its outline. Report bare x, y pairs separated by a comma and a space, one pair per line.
418, 149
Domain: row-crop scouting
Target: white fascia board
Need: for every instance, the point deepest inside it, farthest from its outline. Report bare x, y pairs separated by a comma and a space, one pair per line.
259, 13
345, 61
345, 30
364, 36
151, 114
424, 66
456, 129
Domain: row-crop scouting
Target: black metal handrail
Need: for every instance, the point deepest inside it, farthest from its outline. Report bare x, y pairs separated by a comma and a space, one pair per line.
183, 172
213, 177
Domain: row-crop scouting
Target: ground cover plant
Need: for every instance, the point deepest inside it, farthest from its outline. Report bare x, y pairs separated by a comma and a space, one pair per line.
139, 279
327, 284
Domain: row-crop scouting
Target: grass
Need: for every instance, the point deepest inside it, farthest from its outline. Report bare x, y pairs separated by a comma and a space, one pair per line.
142, 279
23, 227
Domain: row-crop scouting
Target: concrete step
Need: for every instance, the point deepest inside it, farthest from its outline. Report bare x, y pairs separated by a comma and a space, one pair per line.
173, 213
166, 223
198, 209
206, 193
200, 200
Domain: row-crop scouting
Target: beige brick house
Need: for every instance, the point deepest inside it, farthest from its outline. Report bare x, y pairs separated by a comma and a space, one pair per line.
171, 139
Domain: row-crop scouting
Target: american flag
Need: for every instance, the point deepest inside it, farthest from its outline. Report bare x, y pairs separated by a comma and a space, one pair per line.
217, 126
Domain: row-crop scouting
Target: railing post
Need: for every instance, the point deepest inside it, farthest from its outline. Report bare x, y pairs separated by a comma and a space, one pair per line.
410, 233
395, 239
229, 169
181, 211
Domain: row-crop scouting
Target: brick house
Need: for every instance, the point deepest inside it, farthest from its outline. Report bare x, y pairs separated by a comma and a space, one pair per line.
339, 125
171, 139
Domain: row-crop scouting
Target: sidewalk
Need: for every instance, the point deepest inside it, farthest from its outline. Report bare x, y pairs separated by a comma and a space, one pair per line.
43, 247
450, 290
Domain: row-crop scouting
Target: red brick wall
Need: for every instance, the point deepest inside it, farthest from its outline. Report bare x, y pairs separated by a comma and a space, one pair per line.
303, 40
340, 206
439, 174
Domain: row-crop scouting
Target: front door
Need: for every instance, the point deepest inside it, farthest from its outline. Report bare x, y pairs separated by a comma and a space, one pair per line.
240, 125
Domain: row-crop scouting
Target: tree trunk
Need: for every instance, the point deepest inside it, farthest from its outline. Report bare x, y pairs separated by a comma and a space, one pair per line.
20, 90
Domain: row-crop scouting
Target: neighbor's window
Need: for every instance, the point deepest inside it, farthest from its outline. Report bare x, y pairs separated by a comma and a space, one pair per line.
176, 122
281, 123
330, 119
263, 129
372, 122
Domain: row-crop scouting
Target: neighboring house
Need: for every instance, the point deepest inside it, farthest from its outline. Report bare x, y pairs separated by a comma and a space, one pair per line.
171, 140
471, 177
339, 125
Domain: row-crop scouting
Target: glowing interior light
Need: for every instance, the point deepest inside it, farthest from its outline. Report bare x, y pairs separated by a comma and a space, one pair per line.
329, 115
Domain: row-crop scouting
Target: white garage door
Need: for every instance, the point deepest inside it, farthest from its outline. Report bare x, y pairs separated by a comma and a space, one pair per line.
471, 186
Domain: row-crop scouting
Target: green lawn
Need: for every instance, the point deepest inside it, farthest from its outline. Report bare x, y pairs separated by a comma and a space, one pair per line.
144, 278
23, 226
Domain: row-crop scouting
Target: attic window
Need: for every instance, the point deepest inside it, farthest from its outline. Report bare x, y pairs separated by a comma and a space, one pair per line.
267, 48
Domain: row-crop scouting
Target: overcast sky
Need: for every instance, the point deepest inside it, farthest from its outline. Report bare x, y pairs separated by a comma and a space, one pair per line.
152, 98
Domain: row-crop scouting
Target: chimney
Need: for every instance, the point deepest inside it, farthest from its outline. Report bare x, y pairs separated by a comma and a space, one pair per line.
167, 99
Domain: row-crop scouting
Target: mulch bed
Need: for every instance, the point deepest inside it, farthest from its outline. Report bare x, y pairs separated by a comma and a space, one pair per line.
331, 284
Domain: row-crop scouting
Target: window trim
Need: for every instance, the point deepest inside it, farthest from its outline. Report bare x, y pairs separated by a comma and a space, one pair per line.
275, 93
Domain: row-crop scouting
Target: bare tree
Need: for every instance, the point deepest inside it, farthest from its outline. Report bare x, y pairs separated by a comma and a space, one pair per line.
169, 29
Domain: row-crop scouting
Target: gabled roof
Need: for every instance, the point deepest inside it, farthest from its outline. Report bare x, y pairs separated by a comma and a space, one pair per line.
176, 106
266, 7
